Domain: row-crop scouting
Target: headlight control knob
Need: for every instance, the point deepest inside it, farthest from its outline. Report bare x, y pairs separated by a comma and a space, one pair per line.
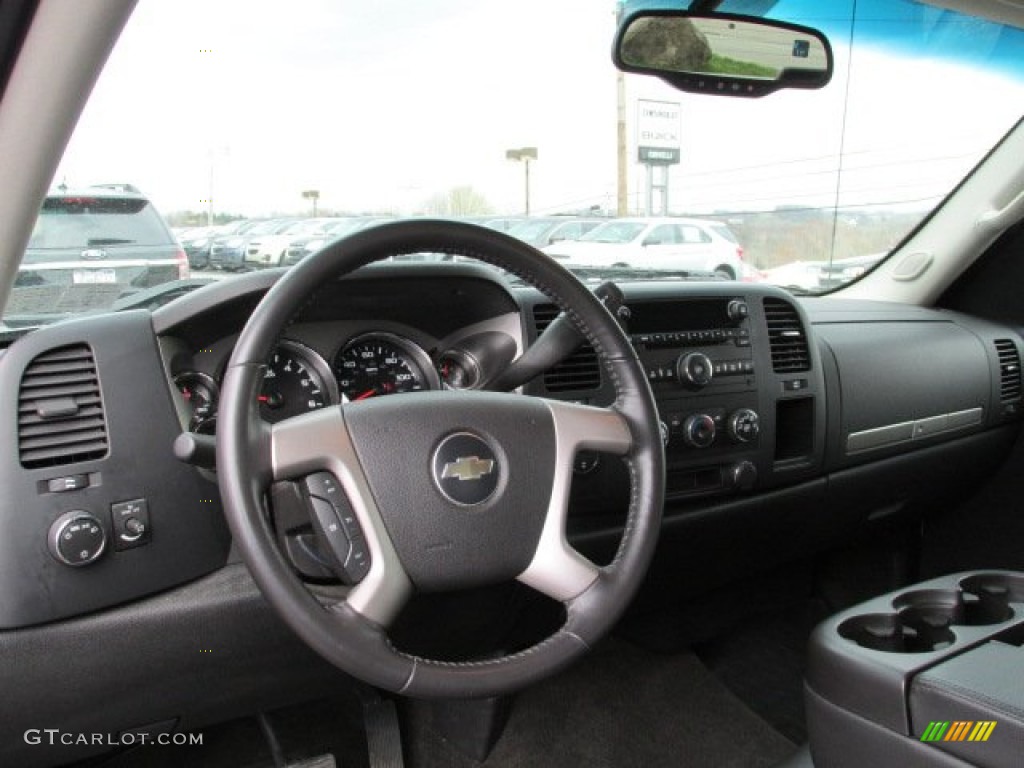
77, 538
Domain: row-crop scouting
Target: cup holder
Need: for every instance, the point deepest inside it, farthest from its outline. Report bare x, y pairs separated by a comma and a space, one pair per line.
987, 597
923, 620
909, 632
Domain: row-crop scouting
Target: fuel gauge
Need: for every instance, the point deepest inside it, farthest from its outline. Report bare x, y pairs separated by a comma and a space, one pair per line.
200, 393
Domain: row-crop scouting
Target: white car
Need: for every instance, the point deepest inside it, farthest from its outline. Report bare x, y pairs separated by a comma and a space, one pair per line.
269, 250
644, 243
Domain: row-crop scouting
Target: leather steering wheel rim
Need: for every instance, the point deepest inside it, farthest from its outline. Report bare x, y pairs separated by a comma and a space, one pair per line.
351, 633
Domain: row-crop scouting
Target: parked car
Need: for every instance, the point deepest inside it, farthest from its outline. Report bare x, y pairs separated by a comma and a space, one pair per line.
228, 251
197, 241
301, 247
685, 244
92, 245
544, 231
269, 250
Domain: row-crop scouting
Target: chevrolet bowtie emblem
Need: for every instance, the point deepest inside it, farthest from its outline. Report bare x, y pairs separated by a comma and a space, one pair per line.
467, 468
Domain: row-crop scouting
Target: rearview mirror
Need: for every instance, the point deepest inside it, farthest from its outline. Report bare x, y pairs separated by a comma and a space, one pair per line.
723, 54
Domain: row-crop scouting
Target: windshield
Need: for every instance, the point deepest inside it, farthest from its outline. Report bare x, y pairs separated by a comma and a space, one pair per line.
509, 115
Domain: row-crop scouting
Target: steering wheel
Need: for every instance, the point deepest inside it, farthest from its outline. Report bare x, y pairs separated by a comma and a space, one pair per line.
450, 489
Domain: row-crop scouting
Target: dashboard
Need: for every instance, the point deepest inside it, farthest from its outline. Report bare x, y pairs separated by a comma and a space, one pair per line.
790, 425
771, 409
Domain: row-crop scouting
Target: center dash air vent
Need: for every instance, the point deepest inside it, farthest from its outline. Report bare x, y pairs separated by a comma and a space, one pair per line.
1009, 370
60, 411
788, 342
579, 371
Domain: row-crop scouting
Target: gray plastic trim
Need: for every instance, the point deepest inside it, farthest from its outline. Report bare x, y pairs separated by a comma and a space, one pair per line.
904, 432
557, 570
320, 440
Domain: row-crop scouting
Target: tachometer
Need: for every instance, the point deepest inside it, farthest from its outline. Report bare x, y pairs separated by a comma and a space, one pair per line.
382, 364
297, 380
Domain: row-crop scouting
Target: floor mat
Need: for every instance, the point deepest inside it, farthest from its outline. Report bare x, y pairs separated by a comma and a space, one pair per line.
763, 663
621, 706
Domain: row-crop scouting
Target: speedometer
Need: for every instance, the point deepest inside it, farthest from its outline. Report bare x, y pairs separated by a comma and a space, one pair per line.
382, 364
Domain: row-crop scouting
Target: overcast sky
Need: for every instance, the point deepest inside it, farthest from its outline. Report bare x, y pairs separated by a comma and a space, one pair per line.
380, 105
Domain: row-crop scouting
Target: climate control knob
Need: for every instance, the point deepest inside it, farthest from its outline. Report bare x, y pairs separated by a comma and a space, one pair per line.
694, 370
77, 538
743, 425
699, 430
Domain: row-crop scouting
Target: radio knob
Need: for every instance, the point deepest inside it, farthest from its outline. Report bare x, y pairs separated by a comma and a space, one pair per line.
743, 425
694, 370
737, 310
699, 430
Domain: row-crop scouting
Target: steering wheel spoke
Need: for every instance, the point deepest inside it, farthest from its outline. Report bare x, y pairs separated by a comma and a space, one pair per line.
317, 445
557, 570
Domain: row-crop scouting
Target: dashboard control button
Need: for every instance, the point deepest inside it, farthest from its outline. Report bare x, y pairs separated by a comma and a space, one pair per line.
77, 538
695, 370
737, 310
742, 475
699, 430
744, 425
664, 432
68, 483
129, 521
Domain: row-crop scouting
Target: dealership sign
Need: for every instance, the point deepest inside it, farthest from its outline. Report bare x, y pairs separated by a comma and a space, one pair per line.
658, 132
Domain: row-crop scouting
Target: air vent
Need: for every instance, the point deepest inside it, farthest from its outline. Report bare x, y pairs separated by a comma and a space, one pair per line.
1009, 370
786, 336
60, 411
578, 372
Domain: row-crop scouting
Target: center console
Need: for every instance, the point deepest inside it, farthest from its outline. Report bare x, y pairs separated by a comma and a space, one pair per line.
930, 675
738, 385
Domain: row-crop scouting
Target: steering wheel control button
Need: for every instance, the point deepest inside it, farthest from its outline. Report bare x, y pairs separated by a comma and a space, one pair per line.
585, 462
465, 469
337, 527
77, 538
130, 523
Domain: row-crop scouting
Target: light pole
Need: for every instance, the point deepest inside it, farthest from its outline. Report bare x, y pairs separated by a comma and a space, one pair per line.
311, 194
524, 155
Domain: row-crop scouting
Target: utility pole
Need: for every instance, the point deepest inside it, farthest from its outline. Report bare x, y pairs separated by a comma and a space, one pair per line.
523, 155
